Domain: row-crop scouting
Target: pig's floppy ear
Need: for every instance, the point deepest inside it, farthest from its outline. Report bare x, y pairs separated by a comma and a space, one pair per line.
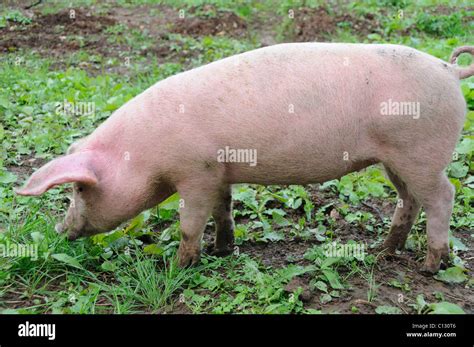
70, 168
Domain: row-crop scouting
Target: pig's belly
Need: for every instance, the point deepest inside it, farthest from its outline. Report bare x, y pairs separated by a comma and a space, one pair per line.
298, 162
304, 172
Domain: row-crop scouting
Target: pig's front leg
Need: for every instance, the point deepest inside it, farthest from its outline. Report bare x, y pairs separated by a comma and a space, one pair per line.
222, 214
198, 200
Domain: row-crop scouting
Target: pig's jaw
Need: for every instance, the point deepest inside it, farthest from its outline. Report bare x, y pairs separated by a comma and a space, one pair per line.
61, 229
72, 234
86, 229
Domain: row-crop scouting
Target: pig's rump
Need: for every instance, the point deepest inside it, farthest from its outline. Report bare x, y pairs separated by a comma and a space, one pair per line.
311, 111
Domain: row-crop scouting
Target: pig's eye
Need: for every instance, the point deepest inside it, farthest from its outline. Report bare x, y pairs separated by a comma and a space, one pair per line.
80, 189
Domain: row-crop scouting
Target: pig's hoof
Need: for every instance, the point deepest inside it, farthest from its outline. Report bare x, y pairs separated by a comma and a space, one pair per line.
188, 261
387, 251
435, 258
393, 244
188, 257
219, 252
429, 269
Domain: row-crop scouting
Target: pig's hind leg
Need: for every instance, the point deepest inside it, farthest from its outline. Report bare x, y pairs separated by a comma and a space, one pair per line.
222, 214
405, 215
437, 198
430, 186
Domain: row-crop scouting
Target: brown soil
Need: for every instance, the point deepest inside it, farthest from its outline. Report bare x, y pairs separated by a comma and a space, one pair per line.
403, 267
57, 35
46, 32
446, 10
224, 24
312, 24
26, 167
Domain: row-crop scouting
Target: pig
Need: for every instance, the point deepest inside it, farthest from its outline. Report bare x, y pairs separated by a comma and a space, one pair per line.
308, 112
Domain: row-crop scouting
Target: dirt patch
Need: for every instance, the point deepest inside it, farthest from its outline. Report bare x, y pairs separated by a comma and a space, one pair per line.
26, 167
388, 274
312, 24
159, 20
401, 269
46, 32
155, 19
58, 35
224, 23
277, 254
298, 282
446, 10
176, 308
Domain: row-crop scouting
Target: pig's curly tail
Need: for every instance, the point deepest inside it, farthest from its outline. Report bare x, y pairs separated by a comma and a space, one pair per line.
464, 72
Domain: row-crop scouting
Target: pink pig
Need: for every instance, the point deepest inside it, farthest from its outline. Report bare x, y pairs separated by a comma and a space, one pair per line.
303, 112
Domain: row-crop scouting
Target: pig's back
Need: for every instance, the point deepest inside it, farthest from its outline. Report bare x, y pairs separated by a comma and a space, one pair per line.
306, 105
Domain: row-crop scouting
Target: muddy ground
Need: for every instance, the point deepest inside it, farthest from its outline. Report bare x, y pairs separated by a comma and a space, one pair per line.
61, 34
403, 268
58, 35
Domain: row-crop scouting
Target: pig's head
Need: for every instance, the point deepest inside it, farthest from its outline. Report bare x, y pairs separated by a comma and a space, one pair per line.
99, 202
84, 217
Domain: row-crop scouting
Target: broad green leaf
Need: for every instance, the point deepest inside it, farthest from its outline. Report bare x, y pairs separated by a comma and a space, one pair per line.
273, 236
279, 219
4, 102
172, 203
9, 311
466, 146
28, 110
388, 310
458, 169
7, 177
332, 278
109, 266
457, 243
420, 303
445, 308
136, 223
153, 249
335, 294
321, 286
452, 275
325, 298
329, 261
313, 311
67, 259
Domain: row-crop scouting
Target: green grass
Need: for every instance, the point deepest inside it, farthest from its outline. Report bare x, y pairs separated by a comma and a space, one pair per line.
116, 272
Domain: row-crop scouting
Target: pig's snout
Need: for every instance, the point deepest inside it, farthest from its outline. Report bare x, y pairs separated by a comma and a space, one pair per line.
59, 228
